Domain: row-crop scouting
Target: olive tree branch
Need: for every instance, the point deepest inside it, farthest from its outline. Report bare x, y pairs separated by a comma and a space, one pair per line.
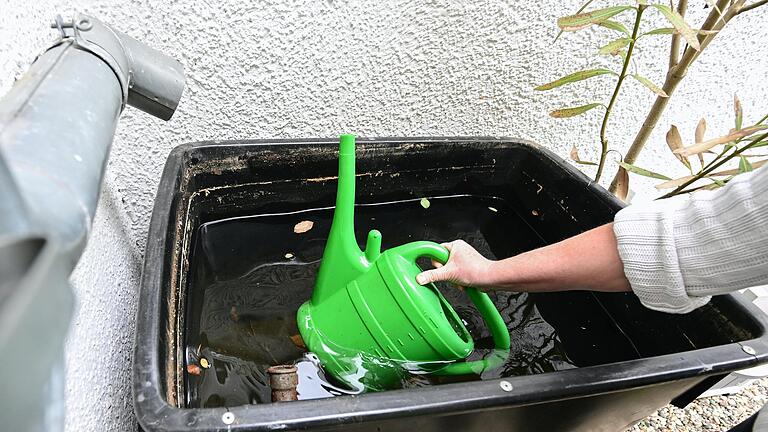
749, 7
674, 49
622, 76
714, 22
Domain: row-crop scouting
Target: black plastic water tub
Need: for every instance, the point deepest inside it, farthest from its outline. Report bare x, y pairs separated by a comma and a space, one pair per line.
579, 361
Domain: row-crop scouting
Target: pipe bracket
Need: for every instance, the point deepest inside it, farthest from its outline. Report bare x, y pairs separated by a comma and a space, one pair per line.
89, 34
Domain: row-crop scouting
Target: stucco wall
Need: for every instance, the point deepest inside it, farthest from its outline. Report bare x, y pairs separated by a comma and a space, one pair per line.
287, 69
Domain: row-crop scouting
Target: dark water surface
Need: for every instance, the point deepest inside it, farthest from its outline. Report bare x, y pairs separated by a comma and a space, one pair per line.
250, 275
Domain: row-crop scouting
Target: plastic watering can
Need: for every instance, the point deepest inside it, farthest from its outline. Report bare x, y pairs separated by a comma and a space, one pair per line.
368, 312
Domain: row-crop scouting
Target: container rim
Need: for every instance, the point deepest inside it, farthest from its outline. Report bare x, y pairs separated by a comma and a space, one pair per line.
154, 413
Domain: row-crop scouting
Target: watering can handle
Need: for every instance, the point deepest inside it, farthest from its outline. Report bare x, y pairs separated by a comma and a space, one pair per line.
487, 310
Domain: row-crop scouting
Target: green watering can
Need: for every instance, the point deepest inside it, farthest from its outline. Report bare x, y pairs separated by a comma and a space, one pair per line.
369, 321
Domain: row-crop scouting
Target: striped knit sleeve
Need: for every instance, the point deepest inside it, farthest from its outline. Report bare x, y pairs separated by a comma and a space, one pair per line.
678, 252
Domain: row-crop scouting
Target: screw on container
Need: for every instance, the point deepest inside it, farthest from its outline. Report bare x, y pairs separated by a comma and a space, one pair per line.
283, 380
748, 349
506, 386
84, 24
228, 418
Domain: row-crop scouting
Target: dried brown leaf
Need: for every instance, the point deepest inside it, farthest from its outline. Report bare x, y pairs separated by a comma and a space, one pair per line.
675, 142
193, 369
673, 183
575, 157
736, 171
622, 184
701, 129
732, 136
738, 112
575, 154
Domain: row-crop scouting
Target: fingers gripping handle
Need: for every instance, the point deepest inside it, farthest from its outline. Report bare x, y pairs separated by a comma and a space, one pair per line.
488, 311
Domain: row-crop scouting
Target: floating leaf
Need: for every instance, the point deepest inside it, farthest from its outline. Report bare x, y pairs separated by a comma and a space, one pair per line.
622, 184
303, 226
574, 77
615, 46
744, 165
674, 183
661, 31
575, 157
424, 203
737, 111
583, 20
642, 171
732, 136
298, 341
613, 25
648, 83
193, 369
679, 23
574, 111
675, 142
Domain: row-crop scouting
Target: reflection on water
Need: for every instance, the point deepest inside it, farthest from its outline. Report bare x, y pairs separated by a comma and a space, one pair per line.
250, 275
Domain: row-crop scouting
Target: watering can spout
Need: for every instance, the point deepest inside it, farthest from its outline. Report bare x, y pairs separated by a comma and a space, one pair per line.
341, 250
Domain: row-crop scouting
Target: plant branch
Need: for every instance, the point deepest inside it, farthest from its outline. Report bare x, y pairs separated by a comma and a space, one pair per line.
622, 76
714, 22
749, 7
674, 49
713, 167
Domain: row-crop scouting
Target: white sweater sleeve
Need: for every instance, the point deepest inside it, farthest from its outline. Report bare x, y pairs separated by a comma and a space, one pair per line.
680, 251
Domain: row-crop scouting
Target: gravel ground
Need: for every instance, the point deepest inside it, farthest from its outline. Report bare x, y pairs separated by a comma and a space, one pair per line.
716, 414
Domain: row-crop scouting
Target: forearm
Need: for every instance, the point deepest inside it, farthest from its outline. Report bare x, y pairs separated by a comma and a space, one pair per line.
588, 261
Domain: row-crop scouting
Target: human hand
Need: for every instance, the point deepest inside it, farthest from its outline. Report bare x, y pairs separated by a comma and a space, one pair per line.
465, 267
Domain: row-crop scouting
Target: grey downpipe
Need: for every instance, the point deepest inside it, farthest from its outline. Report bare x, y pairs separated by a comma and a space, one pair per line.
57, 124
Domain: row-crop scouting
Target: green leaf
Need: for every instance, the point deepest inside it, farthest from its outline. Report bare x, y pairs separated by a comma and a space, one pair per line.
679, 23
574, 77
584, 6
613, 25
648, 83
574, 111
583, 20
760, 144
661, 31
424, 203
744, 165
614, 47
643, 172
586, 163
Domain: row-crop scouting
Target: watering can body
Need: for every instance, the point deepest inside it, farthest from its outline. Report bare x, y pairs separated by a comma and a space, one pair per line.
369, 321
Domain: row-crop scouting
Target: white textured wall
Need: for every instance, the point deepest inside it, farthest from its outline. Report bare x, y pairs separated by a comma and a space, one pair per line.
287, 69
